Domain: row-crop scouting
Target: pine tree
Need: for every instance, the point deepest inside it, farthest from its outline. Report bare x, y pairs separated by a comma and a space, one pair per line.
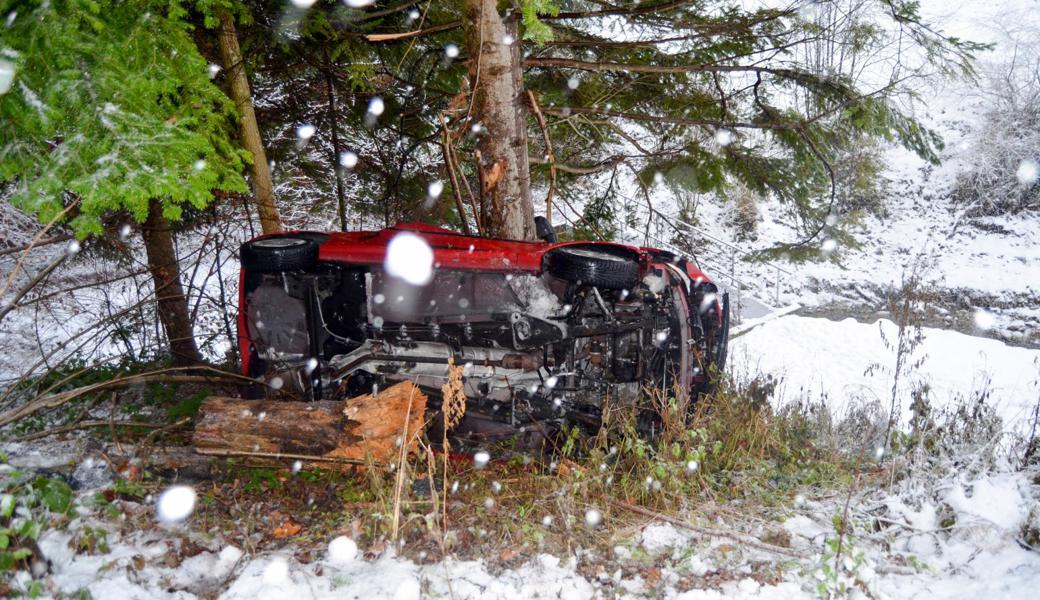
699, 95
111, 110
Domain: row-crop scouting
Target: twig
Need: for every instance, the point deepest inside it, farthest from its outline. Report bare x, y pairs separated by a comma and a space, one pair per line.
87, 425
399, 485
396, 37
148, 439
474, 206
281, 456
35, 240
158, 376
455, 191
743, 539
476, 77
548, 151
51, 240
112, 422
25, 289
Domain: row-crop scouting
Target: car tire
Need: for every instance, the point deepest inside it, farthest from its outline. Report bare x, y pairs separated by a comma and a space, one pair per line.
595, 267
279, 253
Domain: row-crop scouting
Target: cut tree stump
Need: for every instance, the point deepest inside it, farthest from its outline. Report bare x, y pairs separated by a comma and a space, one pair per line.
352, 432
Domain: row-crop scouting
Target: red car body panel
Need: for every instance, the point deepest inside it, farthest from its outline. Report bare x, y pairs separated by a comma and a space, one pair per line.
451, 250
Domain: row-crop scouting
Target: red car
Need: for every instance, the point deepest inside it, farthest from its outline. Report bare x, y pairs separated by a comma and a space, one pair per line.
548, 332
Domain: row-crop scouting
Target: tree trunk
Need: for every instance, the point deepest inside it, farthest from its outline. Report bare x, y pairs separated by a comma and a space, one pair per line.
354, 431
263, 189
500, 110
166, 277
334, 125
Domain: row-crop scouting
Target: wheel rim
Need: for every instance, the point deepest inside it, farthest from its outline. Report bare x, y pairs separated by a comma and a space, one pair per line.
587, 253
279, 242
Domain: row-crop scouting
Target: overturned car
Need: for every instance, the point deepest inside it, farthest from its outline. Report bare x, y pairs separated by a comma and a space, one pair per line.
548, 333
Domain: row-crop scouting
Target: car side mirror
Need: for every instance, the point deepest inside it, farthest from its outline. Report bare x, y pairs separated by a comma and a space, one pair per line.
544, 230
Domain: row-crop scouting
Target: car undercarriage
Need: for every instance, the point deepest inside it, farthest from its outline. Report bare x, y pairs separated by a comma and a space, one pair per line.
539, 350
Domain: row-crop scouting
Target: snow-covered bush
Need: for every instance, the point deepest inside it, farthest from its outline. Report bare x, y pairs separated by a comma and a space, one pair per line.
743, 214
1004, 150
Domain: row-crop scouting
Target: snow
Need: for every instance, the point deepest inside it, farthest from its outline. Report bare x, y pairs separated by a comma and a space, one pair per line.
342, 551
997, 500
534, 295
994, 274
659, 538
815, 358
175, 504
410, 258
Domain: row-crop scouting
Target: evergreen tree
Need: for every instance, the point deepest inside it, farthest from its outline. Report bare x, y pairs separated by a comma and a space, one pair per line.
111, 110
699, 95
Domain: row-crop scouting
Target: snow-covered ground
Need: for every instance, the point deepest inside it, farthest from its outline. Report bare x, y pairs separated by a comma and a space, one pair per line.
847, 362
950, 534
962, 541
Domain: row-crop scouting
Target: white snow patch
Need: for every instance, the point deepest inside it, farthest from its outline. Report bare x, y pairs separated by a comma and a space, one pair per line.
822, 359
659, 538
996, 499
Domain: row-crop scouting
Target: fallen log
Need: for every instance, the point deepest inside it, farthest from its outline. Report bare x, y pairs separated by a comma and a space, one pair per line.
356, 431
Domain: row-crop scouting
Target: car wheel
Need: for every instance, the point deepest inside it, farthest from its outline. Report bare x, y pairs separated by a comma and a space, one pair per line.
592, 267
279, 253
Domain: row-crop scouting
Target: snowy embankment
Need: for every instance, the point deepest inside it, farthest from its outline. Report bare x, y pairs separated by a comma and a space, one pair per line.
945, 534
848, 362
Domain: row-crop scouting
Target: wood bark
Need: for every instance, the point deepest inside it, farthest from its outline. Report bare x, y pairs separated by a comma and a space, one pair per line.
355, 431
238, 83
499, 109
166, 277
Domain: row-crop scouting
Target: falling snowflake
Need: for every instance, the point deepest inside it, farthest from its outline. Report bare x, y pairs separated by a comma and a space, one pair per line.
410, 258
985, 320
451, 51
342, 551
175, 504
6, 75
1028, 172
593, 518
480, 459
724, 137
305, 132
348, 160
